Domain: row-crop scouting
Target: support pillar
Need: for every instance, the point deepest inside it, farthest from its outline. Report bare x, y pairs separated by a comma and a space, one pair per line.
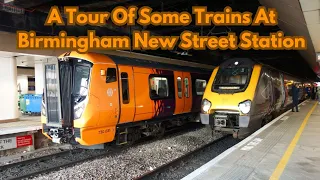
8, 91
38, 71
23, 84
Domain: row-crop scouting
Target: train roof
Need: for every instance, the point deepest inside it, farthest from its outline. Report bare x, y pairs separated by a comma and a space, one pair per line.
240, 62
251, 62
153, 64
135, 59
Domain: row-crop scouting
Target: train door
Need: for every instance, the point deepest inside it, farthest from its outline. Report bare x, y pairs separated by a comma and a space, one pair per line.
283, 91
178, 93
126, 91
109, 93
187, 92
262, 97
162, 95
288, 82
271, 91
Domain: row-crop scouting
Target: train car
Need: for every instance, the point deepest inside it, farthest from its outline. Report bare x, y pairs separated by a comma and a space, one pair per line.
243, 95
93, 99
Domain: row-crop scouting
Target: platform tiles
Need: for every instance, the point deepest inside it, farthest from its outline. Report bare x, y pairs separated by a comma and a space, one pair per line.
24, 124
20, 136
286, 148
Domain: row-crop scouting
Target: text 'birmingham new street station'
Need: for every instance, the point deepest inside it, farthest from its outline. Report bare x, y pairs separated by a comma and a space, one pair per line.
144, 40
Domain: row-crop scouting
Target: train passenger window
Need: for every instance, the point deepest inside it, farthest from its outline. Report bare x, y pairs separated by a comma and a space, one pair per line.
159, 87
111, 75
125, 88
186, 86
200, 86
179, 84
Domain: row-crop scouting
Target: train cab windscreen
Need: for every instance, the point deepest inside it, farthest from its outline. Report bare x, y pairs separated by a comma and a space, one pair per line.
231, 80
81, 82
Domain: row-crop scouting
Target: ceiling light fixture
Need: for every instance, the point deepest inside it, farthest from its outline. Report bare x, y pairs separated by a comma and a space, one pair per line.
8, 1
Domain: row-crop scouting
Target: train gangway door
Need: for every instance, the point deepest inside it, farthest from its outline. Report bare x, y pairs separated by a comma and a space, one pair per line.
126, 92
187, 92
179, 92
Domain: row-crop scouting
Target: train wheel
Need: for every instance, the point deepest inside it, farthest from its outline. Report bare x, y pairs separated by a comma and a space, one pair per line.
235, 134
160, 133
263, 122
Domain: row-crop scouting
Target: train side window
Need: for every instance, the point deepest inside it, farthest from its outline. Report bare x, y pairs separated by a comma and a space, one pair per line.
186, 86
200, 86
125, 88
159, 87
111, 75
179, 85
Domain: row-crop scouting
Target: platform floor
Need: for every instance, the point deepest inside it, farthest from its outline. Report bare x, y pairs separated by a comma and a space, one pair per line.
25, 124
286, 148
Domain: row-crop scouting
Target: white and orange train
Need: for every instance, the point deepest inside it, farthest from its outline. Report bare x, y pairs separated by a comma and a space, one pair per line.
94, 98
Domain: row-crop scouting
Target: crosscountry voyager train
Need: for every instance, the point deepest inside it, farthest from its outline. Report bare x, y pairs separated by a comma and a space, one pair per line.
92, 99
242, 96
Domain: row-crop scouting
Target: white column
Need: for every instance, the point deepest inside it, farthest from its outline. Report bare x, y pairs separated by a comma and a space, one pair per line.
8, 89
23, 84
38, 71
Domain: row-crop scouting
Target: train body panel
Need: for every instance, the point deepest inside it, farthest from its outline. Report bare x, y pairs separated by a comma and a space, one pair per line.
199, 82
144, 105
100, 98
242, 96
127, 95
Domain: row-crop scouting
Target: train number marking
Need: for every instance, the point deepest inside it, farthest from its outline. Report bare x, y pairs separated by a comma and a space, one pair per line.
251, 144
103, 131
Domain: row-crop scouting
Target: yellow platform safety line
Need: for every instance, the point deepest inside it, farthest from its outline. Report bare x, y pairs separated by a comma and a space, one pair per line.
285, 158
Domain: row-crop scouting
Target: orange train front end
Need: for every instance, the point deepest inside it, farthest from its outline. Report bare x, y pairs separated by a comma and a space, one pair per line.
76, 89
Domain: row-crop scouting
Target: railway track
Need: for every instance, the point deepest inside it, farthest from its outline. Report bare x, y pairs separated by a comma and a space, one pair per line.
184, 165
178, 168
45, 164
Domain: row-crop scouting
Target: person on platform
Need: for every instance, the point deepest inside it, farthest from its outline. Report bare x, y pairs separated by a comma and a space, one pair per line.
313, 91
295, 97
309, 92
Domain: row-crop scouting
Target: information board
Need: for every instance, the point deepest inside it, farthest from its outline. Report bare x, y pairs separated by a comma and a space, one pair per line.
15, 142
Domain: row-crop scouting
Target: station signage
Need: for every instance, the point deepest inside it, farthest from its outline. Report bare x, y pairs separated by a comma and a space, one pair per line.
15, 142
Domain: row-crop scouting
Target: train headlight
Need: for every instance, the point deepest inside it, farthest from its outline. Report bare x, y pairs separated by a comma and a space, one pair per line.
245, 106
205, 106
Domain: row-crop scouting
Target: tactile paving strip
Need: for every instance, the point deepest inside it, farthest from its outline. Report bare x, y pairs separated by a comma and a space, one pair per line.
243, 168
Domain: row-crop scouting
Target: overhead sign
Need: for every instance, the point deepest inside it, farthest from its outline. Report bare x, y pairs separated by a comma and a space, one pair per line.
15, 142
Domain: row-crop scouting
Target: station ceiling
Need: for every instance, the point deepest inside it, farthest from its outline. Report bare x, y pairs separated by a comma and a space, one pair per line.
35, 12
